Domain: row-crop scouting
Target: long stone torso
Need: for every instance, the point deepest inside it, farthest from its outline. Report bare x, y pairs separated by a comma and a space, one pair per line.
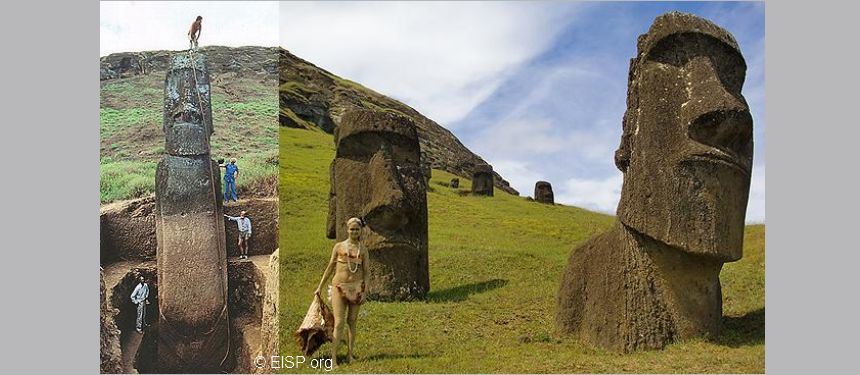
193, 326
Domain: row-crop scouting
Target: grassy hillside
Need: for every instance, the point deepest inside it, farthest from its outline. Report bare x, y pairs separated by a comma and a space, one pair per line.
495, 266
244, 112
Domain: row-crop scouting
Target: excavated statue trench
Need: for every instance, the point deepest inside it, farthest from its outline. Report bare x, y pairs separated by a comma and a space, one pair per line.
128, 251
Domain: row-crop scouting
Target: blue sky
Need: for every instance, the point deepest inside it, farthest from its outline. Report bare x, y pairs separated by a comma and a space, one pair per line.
538, 89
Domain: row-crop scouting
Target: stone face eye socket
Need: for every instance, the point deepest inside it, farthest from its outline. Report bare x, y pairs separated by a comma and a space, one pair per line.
678, 50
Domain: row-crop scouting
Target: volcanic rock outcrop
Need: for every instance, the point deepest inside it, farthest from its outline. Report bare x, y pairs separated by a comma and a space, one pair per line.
686, 153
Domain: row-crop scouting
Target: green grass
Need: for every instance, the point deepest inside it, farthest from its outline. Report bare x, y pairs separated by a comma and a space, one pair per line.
126, 179
495, 266
244, 112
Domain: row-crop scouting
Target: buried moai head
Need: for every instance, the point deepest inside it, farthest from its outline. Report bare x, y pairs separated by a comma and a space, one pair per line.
482, 180
686, 148
376, 176
543, 192
187, 106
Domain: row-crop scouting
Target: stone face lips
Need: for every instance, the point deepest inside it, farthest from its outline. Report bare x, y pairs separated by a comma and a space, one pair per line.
193, 329
376, 175
686, 154
543, 192
313, 97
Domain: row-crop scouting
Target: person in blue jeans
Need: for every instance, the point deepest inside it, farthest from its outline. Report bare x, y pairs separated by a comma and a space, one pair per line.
230, 174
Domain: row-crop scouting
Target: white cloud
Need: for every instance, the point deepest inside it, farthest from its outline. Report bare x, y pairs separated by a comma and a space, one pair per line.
440, 58
755, 206
141, 26
599, 194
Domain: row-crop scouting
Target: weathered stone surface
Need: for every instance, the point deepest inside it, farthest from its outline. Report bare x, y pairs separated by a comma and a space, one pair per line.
455, 183
271, 320
482, 180
111, 356
426, 168
192, 265
686, 154
376, 175
313, 97
543, 192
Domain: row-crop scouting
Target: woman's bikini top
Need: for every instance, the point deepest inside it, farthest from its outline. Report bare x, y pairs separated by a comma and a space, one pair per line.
342, 258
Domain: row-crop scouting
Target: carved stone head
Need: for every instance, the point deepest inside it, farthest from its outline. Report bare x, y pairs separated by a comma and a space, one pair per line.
187, 109
687, 144
543, 192
376, 175
482, 180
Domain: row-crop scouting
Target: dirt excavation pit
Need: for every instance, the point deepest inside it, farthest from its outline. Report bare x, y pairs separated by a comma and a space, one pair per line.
246, 283
138, 349
128, 250
128, 228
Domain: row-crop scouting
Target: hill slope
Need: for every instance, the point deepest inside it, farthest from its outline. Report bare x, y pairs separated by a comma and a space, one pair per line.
311, 97
495, 267
244, 106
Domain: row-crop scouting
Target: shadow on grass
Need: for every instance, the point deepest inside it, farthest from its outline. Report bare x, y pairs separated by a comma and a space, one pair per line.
744, 330
385, 356
462, 292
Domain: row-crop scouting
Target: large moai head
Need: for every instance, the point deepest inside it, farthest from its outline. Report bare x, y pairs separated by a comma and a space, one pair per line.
543, 192
686, 148
482, 180
187, 107
376, 175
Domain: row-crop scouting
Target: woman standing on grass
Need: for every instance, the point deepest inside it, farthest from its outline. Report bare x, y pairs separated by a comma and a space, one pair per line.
351, 271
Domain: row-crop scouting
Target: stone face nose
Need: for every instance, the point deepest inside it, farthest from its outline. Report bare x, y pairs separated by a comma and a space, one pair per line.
713, 114
388, 201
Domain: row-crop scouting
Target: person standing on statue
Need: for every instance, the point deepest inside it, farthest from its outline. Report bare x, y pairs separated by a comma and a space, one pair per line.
140, 297
194, 33
244, 224
231, 172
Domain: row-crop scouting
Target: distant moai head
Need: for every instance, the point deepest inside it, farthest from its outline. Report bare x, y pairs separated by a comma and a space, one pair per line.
187, 111
426, 168
376, 176
686, 148
455, 183
543, 192
482, 180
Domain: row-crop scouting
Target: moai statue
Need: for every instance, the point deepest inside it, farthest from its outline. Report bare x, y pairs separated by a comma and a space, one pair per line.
543, 192
455, 183
686, 154
376, 175
482, 180
426, 168
192, 266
